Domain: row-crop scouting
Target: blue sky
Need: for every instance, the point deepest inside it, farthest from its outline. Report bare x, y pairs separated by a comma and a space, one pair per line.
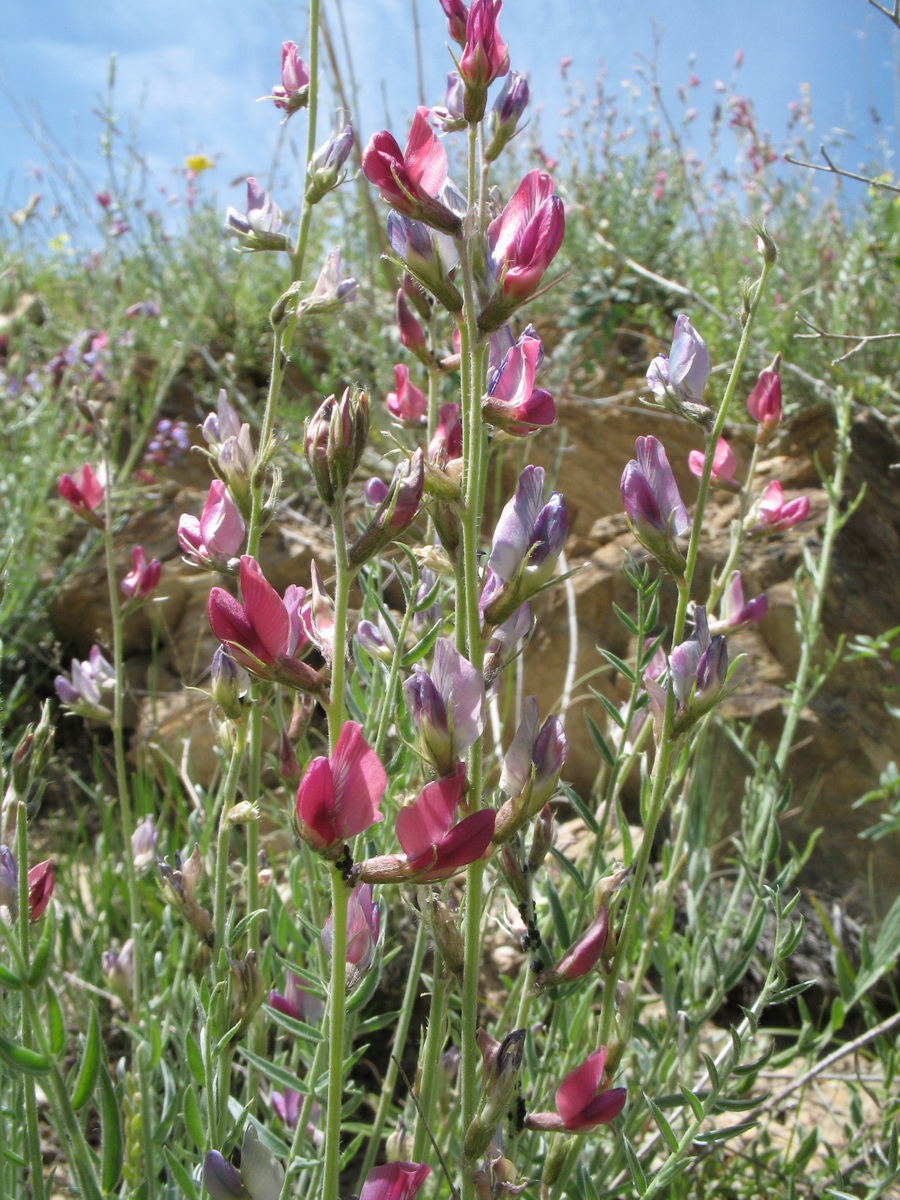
189, 72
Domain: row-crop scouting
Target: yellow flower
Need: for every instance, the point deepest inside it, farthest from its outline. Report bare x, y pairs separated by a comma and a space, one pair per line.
198, 163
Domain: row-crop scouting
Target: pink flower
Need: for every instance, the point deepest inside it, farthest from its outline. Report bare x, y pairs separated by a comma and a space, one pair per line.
435, 848
408, 403
524, 239
735, 612
764, 402
411, 181
724, 465
485, 57
586, 952
513, 403
143, 576
448, 432
265, 632
218, 534
339, 796
297, 1002
775, 514
412, 335
395, 1181
293, 91
84, 494
40, 888
363, 927
582, 1101
457, 17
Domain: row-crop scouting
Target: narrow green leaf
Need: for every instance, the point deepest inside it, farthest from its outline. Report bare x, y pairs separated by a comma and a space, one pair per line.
180, 1175
620, 664
713, 1071
637, 1171
194, 1059
244, 924
421, 648
9, 980
560, 924
623, 616
664, 1127
272, 1071
788, 993
570, 869
600, 741
693, 1101
112, 1146
193, 1119
713, 1136
56, 1022
40, 959
581, 808
90, 1063
21, 1059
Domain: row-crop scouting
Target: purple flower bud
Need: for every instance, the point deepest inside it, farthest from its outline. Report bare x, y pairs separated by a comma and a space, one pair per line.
506, 114
653, 505
681, 377
260, 228
332, 290
736, 613
221, 1179
325, 171
447, 706
429, 257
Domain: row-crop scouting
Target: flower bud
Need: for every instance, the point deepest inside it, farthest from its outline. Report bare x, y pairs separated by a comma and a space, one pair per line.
506, 113
325, 170
336, 437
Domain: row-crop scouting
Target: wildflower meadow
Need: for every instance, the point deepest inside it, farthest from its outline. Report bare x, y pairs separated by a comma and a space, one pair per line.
440, 602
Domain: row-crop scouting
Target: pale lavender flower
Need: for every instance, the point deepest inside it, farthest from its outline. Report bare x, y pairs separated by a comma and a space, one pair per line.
260, 227
653, 505
684, 372
447, 706
735, 612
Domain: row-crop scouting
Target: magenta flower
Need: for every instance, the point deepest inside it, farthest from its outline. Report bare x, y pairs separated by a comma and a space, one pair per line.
681, 376
522, 243
412, 335
84, 494
297, 1002
457, 17
448, 433
264, 633
143, 576
724, 465
363, 927
584, 955
774, 513
214, 539
447, 706
411, 181
338, 797
513, 403
408, 403
764, 402
397, 508
735, 612
293, 91
435, 848
260, 227
40, 888
582, 1100
395, 1181
484, 57
652, 503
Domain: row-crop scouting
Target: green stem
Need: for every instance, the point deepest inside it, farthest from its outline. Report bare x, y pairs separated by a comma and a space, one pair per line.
337, 1004
429, 1062
401, 1032
834, 521
229, 794
342, 580
32, 1128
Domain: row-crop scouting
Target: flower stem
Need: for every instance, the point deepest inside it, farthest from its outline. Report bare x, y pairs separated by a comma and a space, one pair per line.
337, 1003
